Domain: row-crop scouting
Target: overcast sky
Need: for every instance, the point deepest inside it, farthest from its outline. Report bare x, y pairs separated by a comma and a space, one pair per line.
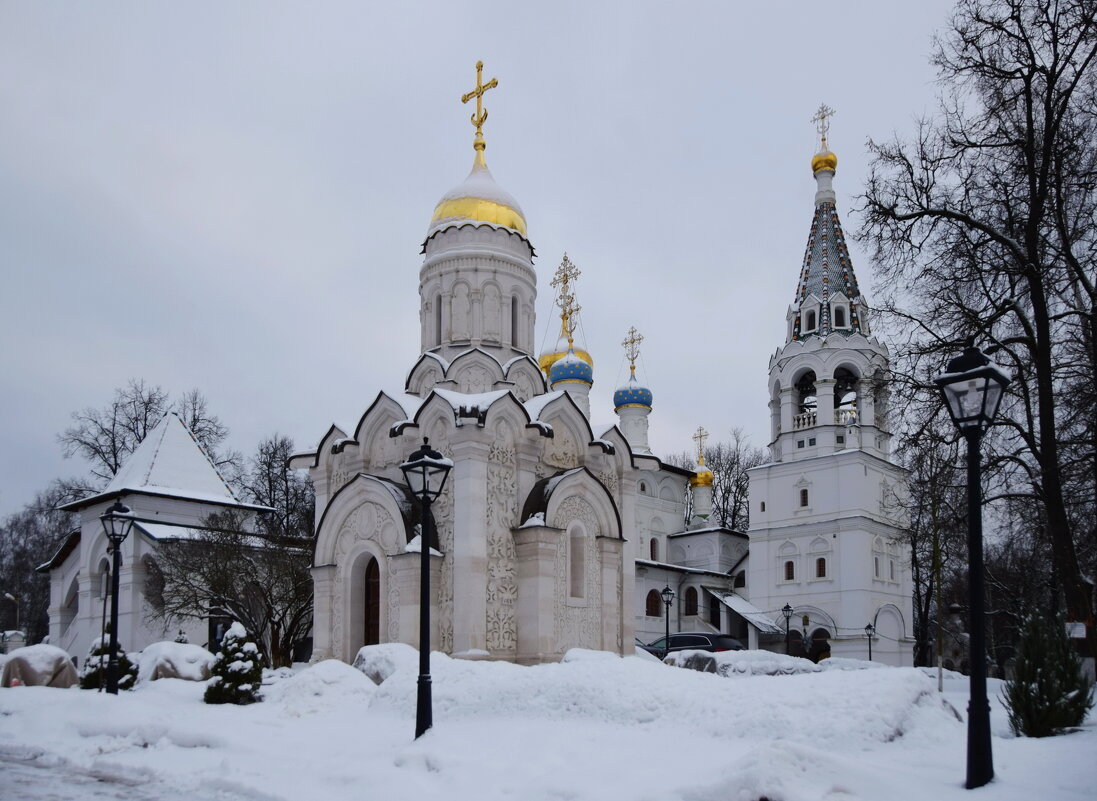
233, 196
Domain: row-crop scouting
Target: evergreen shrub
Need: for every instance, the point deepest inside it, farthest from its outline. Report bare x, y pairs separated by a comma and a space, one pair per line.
93, 674
1048, 693
237, 670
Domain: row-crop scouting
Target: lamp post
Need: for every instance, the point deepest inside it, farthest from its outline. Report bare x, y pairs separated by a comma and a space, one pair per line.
668, 599
787, 612
117, 522
425, 472
972, 388
870, 631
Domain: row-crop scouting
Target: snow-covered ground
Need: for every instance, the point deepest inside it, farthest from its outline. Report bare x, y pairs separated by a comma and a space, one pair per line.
593, 727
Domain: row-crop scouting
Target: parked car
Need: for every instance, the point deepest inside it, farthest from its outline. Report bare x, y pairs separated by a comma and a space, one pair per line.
693, 641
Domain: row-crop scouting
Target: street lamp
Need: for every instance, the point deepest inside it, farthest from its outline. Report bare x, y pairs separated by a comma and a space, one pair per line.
787, 612
668, 599
117, 522
425, 472
972, 388
870, 632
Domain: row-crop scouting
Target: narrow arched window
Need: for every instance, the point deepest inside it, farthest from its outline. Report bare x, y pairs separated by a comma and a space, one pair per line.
653, 549
840, 317
691, 601
514, 320
876, 566
714, 611
821, 567
790, 570
653, 606
804, 497
437, 319
810, 325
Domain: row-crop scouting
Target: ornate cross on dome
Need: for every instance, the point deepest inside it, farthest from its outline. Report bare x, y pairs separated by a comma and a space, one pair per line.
565, 273
822, 122
481, 116
700, 438
631, 345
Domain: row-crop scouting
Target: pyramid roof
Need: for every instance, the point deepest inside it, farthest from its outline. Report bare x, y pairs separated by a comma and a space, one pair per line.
169, 462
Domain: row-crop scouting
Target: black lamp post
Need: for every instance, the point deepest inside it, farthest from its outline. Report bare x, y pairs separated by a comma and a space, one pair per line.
972, 388
870, 632
787, 612
117, 522
425, 472
668, 599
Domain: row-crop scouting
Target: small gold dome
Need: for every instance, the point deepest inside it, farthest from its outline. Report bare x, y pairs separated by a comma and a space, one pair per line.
549, 358
702, 478
824, 161
479, 199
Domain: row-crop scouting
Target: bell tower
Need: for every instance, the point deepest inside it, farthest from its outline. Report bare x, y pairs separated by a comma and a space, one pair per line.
826, 512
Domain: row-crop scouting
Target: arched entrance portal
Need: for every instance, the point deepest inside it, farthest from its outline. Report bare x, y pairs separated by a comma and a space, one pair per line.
820, 645
373, 603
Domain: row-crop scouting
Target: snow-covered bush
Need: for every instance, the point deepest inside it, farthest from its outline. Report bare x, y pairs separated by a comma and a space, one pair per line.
93, 674
237, 670
1048, 693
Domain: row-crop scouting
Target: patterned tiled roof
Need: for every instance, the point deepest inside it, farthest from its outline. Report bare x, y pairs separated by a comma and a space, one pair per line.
827, 271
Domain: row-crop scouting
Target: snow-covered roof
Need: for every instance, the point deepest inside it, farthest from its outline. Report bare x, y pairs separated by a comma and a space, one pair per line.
749, 612
171, 462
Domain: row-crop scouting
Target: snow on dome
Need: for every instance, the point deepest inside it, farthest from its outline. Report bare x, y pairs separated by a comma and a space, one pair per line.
571, 368
632, 394
479, 199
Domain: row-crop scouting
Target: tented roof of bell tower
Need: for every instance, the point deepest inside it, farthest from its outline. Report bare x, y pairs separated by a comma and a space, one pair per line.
827, 270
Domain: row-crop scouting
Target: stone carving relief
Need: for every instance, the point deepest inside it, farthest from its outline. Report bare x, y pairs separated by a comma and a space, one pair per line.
475, 379
523, 387
369, 522
442, 509
502, 512
578, 626
561, 451
609, 478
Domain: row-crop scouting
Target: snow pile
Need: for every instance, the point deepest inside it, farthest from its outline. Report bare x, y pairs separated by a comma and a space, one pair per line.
583, 729
379, 662
174, 660
322, 687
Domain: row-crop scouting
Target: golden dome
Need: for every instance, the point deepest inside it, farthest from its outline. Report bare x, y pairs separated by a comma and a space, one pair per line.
479, 199
549, 358
703, 477
824, 160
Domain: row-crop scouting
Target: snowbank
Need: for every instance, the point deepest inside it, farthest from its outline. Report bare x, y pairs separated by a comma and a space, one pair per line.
595, 727
174, 660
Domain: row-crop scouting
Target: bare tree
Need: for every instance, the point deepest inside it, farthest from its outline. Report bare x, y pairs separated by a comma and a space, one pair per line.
28, 538
254, 568
984, 224
729, 463
262, 582
106, 437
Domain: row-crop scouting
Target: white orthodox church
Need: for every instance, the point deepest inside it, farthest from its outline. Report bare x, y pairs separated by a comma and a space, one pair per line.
555, 532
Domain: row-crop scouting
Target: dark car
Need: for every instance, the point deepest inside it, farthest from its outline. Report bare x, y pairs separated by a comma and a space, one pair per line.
693, 641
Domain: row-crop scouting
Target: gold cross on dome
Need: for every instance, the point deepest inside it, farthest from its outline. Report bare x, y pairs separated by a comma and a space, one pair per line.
565, 273
631, 345
822, 122
700, 438
481, 116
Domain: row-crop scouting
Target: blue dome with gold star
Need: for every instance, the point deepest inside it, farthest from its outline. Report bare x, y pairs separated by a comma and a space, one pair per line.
632, 394
571, 368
